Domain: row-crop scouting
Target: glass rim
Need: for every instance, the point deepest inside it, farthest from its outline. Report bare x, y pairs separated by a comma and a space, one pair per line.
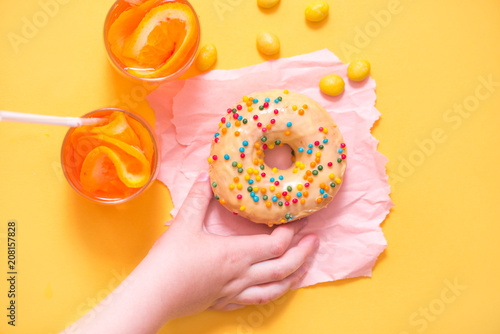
158, 80
156, 162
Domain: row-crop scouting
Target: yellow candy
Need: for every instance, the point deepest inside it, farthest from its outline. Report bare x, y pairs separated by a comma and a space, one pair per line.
242, 208
231, 186
268, 43
239, 186
267, 3
332, 84
358, 70
207, 57
317, 11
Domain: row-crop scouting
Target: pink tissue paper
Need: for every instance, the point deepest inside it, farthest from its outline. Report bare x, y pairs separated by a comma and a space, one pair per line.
187, 117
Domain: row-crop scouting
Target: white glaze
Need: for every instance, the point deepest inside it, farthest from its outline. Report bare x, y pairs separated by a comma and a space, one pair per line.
303, 131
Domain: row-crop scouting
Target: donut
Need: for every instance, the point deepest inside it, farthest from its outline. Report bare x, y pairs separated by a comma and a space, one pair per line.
242, 181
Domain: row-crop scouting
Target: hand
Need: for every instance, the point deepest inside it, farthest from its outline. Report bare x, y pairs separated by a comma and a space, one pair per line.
189, 270
225, 273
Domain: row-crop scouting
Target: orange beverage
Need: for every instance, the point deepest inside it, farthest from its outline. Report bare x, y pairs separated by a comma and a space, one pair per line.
113, 161
152, 40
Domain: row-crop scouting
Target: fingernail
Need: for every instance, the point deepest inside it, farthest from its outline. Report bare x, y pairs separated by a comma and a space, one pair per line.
203, 176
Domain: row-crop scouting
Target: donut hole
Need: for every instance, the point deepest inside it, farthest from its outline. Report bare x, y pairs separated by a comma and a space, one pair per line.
279, 157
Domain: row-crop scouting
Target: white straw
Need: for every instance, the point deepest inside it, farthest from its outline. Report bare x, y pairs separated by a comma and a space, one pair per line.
44, 119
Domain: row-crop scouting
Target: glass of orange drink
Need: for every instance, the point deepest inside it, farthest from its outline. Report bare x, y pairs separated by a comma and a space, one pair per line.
113, 161
152, 40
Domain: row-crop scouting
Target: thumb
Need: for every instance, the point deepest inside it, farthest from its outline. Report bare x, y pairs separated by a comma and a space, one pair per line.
195, 205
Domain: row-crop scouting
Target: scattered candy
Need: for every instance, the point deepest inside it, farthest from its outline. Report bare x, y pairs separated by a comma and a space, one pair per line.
206, 57
267, 3
317, 11
358, 70
268, 43
332, 85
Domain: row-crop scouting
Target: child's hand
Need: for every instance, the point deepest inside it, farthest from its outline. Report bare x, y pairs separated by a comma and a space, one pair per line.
224, 273
189, 270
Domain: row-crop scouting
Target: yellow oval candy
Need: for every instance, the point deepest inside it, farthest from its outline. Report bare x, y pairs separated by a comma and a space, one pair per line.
268, 43
317, 11
332, 84
267, 3
207, 57
358, 70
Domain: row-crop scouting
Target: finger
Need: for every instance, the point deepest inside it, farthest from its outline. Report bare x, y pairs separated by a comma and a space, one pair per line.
275, 269
226, 307
256, 248
264, 293
279, 268
194, 208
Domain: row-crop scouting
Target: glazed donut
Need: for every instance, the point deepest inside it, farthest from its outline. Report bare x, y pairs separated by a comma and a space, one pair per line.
244, 184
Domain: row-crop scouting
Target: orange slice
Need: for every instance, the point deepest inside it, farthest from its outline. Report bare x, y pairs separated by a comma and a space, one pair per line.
145, 138
132, 167
118, 128
126, 23
162, 40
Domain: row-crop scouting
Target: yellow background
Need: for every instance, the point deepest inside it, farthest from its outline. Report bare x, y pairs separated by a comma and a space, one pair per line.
426, 56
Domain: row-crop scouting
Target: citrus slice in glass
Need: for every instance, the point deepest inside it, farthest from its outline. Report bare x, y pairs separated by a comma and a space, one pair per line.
162, 41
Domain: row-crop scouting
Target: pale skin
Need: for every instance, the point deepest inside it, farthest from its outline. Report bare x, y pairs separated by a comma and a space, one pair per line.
189, 270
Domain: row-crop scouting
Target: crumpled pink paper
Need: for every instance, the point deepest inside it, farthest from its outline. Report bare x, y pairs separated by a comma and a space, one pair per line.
187, 116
